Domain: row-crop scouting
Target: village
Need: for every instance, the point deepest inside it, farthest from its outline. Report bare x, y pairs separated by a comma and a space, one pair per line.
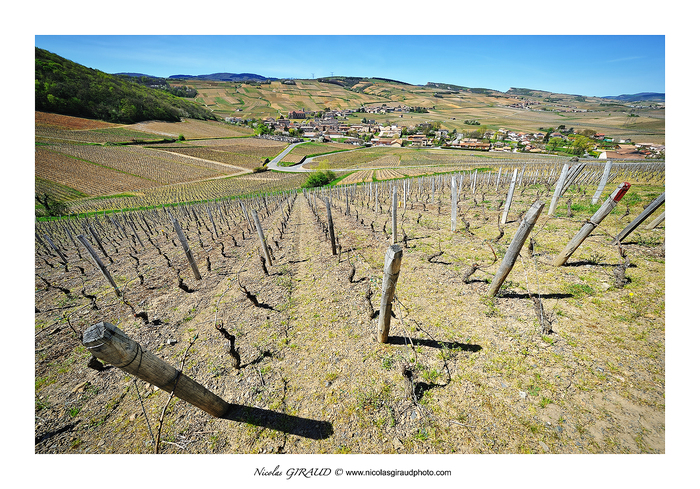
332, 126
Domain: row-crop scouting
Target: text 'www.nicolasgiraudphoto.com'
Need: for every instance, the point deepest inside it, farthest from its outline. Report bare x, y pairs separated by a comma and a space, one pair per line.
310, 472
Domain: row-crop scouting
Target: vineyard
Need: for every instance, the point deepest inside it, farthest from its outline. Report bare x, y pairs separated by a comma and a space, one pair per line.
282, 320
51, 127
97, 177
376, 157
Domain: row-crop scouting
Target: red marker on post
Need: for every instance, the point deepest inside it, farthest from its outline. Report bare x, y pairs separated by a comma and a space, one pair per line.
591, 224
621, 191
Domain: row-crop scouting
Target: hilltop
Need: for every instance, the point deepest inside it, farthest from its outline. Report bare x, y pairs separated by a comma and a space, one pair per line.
68, 88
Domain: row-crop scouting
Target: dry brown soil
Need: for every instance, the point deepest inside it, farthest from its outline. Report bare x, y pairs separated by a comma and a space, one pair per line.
461, 372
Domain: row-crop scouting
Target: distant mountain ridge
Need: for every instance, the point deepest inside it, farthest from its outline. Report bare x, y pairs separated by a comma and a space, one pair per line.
349, 81
234, 77
639, 97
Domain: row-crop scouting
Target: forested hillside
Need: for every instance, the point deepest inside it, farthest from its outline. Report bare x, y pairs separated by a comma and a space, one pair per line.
65, 87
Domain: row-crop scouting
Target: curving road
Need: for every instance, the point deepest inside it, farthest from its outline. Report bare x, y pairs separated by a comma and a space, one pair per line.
273, 164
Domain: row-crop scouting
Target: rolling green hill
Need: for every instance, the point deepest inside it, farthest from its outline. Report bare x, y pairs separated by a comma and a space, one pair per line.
64, 87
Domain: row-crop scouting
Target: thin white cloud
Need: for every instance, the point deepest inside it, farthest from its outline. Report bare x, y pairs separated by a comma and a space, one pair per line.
629, 58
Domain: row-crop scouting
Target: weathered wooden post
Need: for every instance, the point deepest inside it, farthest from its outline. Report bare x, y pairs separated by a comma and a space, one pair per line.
557, 190
99, 263
55, 248
572, 175
133, 228
603, 182
453, 220
509, 198
97, 240
111, 345
261, 235
641, 217
392, 266
331, 230
657, 221
245, 213
394, 232
185, 246
516, 245
591, 224
216, 232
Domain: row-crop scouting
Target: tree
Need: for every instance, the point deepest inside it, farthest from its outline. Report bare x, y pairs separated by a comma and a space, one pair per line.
263, 128
580, 145
52, 207
319, 179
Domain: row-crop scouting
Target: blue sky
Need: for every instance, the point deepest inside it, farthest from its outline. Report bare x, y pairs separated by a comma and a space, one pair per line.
581, 64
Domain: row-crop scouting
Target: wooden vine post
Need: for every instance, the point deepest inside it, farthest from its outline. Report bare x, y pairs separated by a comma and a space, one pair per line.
185, 246
331, 230
97, 240
557, 189
261, 235
509, 198
99, 263
453, 220
392, 266
55, 248
657, 221
516, 245
591, 224
111, 345
641, 217
603, 182
394, 232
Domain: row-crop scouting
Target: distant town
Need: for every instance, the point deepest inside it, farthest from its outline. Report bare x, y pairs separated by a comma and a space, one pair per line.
332, 126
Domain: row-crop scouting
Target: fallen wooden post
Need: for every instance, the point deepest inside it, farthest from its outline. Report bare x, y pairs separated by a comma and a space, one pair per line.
111, 345
516, 245
641, 217
591, 224
392, 266
99, 263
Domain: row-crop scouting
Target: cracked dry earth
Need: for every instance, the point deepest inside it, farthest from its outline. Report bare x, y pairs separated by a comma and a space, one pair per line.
461, 373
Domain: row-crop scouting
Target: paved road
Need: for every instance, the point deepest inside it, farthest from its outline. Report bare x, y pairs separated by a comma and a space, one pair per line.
273, 164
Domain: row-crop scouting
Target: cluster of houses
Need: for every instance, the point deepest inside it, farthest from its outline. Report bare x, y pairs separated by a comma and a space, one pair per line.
332, 125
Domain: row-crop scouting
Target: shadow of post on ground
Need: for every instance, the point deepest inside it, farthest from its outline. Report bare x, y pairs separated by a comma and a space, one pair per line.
286, 423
